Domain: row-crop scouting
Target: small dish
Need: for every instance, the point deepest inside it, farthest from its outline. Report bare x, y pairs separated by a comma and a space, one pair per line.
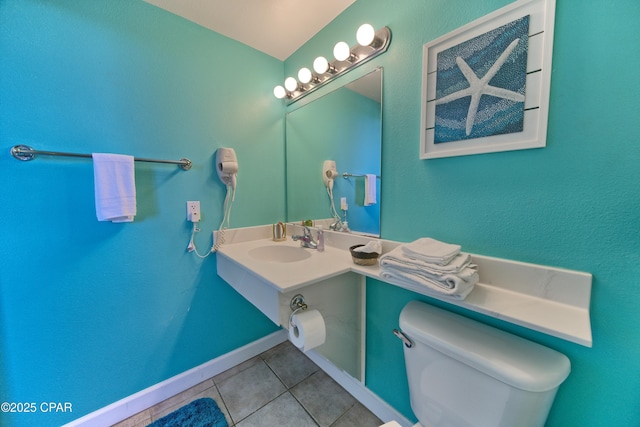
363, 258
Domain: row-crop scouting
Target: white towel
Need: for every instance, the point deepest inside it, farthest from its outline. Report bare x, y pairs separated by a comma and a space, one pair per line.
398, 257
455, 279
370, 189
426, 286
371, 247
453, 287
432, 251
115, 188
429, 269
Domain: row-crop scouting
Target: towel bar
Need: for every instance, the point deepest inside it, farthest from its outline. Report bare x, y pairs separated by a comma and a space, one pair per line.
26, 153
346, 175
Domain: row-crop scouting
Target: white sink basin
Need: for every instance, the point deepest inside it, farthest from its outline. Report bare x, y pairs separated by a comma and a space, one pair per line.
278, 253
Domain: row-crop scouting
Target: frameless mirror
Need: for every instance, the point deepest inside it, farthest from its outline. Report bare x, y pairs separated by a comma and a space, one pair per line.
345, 126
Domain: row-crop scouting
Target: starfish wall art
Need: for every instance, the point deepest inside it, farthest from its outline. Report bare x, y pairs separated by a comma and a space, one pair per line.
480, 85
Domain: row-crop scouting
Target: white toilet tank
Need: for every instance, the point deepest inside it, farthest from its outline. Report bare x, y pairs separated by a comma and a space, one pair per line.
463, 373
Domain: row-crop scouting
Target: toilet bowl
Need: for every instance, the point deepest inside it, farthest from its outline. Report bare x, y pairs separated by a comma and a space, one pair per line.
463, 373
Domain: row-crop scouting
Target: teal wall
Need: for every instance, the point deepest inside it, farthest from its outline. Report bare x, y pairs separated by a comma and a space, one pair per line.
342, 126
574, 204
92, 312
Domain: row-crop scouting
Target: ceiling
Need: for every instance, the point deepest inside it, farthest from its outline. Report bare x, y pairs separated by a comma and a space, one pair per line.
275, 27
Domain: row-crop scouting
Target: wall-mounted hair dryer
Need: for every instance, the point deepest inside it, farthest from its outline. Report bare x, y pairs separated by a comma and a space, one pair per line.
329, 173
227, 166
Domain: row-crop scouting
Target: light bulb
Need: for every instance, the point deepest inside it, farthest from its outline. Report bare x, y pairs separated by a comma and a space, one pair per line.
365, 34
279, 92
342, 51
304, 75
320, 65
291, 84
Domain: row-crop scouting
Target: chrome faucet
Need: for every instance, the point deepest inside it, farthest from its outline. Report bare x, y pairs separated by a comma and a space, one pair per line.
306, 240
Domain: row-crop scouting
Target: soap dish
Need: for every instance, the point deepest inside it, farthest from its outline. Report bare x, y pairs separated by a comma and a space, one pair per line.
363, 258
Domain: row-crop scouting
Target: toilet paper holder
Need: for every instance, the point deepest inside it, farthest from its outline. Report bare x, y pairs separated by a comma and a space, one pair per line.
296, 304
307, 329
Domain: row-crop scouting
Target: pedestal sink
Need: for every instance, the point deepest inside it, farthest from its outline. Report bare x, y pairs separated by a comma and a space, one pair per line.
279, 253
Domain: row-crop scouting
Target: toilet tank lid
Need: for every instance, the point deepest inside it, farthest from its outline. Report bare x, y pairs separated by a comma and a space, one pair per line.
513, 360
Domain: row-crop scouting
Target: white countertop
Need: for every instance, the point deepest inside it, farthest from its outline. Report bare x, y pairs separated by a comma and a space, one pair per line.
546, 299
288, 276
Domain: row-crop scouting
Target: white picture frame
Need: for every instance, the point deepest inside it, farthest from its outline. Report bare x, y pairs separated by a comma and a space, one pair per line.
538, 81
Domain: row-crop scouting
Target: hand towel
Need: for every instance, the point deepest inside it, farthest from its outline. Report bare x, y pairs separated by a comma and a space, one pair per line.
456, 279
457, 288
371, 247
399, 256
370, 189
431, 250
115, 189
427, 269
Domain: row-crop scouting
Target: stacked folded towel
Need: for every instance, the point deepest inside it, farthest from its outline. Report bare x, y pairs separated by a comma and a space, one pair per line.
438, 266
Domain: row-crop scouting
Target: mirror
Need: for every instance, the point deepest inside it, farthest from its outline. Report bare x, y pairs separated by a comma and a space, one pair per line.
345, 126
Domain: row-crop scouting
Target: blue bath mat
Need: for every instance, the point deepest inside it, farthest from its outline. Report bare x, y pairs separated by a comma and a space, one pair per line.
199, 413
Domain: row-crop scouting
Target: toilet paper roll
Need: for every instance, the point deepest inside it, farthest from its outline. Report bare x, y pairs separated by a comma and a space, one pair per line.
307, 330
228, 167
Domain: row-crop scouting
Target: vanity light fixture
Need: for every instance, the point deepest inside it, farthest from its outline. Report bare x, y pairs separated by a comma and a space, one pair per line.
365, 35
370, 44
291, 84
321, 66
279, 92
304, 76
342, 52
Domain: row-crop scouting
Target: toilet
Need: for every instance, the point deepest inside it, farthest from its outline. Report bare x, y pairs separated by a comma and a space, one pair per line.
463, 373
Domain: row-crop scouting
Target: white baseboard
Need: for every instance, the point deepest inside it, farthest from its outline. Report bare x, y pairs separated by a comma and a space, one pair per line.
356, 388
138, 402
129, 406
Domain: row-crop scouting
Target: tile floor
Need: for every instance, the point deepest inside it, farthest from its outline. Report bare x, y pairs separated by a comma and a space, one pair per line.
280, 387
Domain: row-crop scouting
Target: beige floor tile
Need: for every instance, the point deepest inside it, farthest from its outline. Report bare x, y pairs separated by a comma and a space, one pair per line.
359, 416
289, 364
236, 369
254, 394
323, 398
284, 411
249, 390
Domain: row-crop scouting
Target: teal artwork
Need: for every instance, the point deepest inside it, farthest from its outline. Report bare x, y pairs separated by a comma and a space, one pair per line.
480, 85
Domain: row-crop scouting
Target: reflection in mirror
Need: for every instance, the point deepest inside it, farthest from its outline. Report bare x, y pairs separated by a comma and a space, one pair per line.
343, 126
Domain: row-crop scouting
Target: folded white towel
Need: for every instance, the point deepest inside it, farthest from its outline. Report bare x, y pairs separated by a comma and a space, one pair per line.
453, 287
431, 250
398, 256
115, 189
370, 189
426, 269
455, 279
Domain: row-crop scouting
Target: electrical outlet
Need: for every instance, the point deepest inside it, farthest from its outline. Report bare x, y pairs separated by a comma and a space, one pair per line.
193, 211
